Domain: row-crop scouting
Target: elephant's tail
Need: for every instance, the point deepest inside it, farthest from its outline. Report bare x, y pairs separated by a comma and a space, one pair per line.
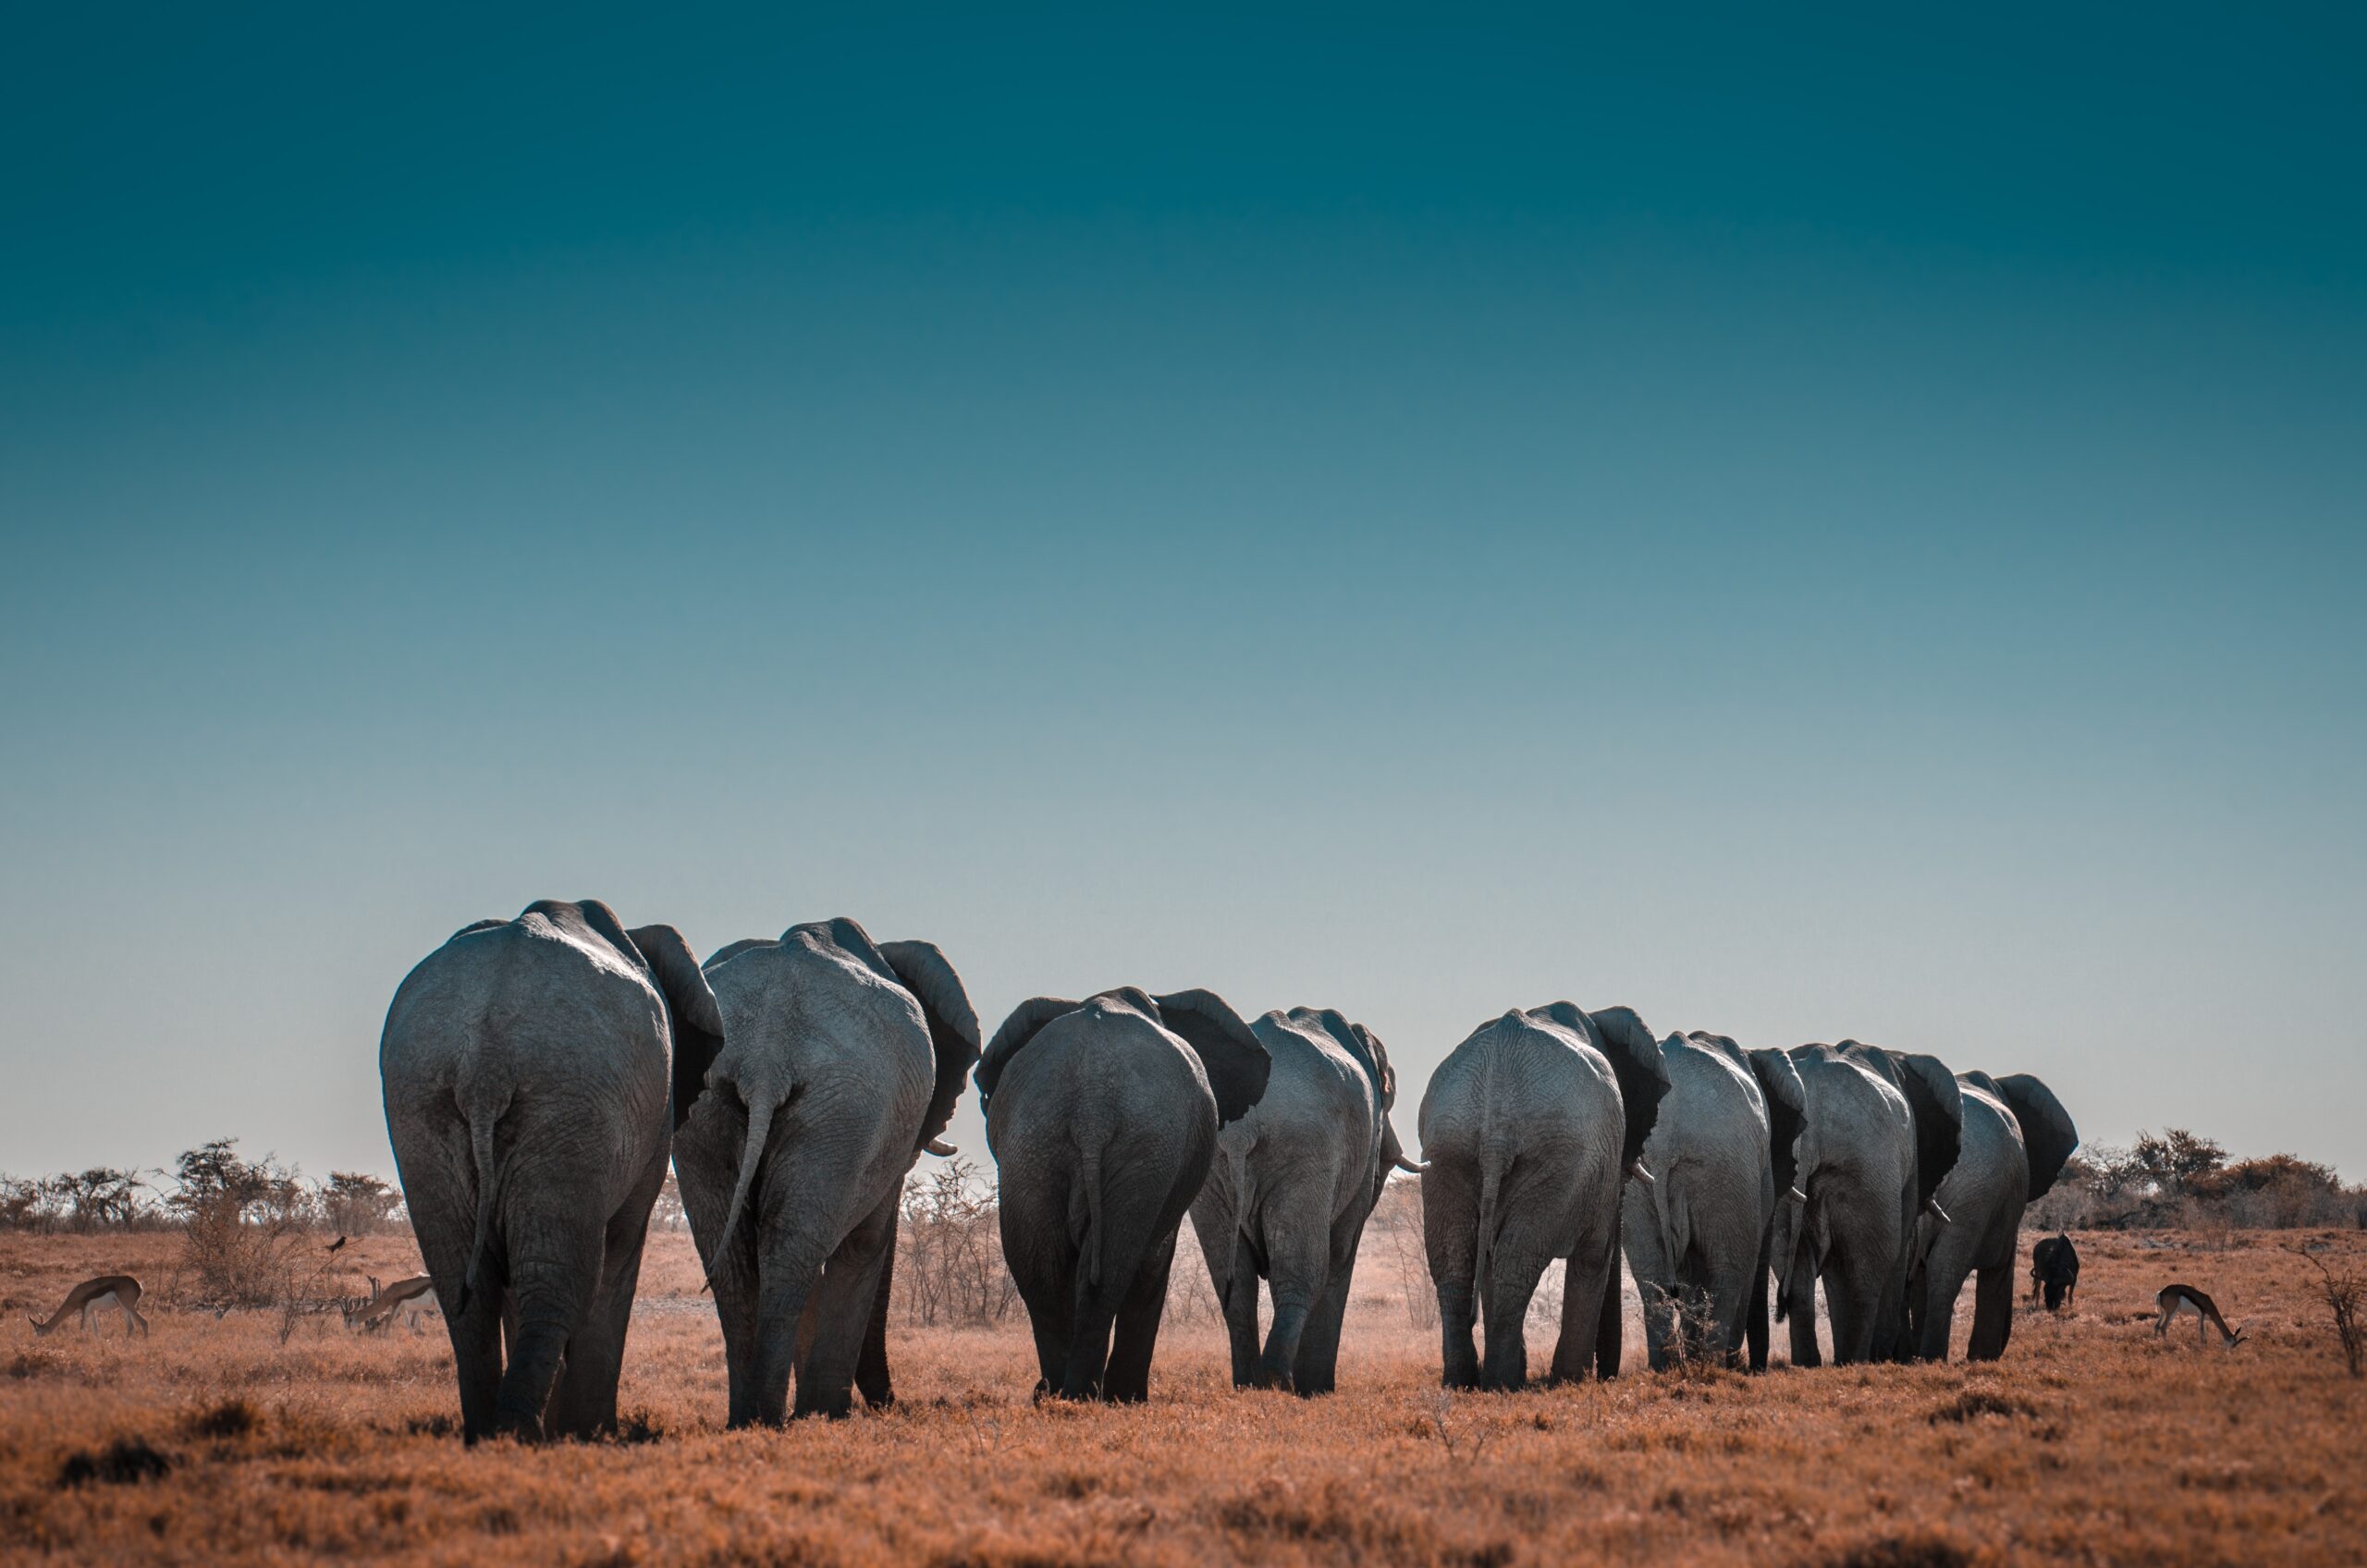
1672, 1216
760, 1127
481, 1123
1492, 1181
1089, 1186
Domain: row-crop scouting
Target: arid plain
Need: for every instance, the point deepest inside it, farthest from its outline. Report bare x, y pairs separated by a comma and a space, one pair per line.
256, 1437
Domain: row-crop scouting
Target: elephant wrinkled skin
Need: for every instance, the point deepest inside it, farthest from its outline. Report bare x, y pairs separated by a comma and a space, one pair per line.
525, 1066
1696, 1225
1289, 1189
1102, 1116
1528, 1128
843, 1058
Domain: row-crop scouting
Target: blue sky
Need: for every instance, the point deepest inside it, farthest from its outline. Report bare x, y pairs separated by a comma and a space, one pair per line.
1846, 527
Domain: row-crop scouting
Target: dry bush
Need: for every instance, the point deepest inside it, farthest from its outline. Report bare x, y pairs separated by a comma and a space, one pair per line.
2344, 1295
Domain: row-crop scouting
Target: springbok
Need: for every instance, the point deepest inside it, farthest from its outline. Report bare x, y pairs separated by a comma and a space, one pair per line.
2175, 1298
118, 1289
404, 1298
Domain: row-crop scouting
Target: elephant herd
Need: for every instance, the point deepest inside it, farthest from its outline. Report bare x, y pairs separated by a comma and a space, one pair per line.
539, 1074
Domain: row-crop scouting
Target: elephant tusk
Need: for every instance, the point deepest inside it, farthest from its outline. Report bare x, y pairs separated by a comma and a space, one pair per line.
1797, 1196
940, 1148
1637, 1170
1937, 1212
1411, 1169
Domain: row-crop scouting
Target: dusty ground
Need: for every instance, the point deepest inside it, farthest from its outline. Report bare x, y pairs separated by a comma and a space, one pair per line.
2094, 1441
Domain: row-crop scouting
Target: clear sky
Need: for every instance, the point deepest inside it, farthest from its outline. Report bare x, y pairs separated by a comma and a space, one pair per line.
1849, 525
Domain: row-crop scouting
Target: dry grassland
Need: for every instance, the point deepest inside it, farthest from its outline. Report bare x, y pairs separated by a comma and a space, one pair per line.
2094, 1441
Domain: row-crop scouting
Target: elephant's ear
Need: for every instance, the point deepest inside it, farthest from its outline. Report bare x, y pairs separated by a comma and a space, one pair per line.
698, 1023
1938, 1103
1380, 1054
724, 955
1788, 1113
1017, 1030
1637, 1062
1235, 1059
2048, 1136
953, 1026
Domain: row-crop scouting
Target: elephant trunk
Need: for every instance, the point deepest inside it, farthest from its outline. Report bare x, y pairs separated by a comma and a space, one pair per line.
760, 1126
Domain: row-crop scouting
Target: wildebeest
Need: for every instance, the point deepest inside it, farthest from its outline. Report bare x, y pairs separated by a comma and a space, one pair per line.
2054, 1269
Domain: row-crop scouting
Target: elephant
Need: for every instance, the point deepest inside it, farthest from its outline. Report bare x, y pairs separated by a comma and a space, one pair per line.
1289, 1191
842, 1060
1936, 1102
1528, 1128
526, 1066
1786, 1100
2017, 1138
1102, 1116
1846, 1213
1695, 1218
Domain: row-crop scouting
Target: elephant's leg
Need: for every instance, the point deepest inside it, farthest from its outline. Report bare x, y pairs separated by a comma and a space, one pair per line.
1231, 1263
1799, 1313
1239, 1298
1941, 1281
840, 1314
788, 1274
1449, 1240
1318, 1367
1856, 1303
1043, 1266
871, 1378
1754, 1318
443, 1225
1655, 1273
1589, 1279
1992, 1312
1298, 1253
555, 1268
1517, 1262
735, 1284
1128, 1379
584, 1403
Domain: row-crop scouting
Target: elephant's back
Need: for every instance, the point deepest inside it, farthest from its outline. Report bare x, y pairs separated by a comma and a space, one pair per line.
524, 998
825, 1018
1095, 1081
1991, 1172
1513, 1076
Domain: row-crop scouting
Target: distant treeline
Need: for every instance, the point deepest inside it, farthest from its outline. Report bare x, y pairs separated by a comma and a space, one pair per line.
210, 1184
2183, 1181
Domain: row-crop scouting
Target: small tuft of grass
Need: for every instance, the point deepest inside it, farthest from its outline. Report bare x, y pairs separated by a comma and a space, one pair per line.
122, 1461
1921, 1549
233, 1417
1974, 1403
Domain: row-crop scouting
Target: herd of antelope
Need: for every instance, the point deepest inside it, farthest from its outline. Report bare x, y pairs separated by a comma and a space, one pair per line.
2054, 1270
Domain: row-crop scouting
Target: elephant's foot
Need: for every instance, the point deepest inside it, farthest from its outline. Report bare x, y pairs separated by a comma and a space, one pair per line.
1271, 1378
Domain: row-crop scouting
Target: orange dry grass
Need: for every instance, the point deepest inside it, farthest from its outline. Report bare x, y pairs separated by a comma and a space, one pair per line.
2093, 1441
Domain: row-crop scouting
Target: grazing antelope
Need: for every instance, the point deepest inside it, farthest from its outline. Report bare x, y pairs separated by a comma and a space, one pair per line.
2176, 1298
118, 1290
404, 1298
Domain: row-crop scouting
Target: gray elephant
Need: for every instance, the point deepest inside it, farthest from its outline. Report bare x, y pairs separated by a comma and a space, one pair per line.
1289, 1192
1696, 1217
2017, 1139
1846, 1212
526, 1069
1936, 1104
1102, 1116
1528, 1128
842, 1060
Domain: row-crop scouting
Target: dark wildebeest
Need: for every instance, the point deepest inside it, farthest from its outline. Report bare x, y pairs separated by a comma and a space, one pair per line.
2054, 1269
